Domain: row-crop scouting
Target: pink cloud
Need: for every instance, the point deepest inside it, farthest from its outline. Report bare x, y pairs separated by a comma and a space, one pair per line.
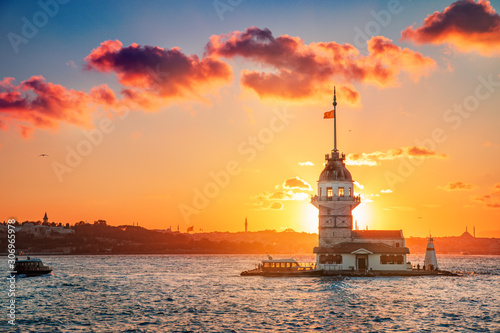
151, 76
151, 70
466, 24
303, 71
37, 103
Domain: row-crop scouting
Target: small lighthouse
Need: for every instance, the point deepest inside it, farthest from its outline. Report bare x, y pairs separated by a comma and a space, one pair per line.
430, 261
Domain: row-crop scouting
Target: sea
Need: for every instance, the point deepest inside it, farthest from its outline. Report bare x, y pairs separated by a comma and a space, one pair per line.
205, 293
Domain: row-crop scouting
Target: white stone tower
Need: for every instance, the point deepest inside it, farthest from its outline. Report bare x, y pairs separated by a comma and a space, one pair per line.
335, 202
335, 199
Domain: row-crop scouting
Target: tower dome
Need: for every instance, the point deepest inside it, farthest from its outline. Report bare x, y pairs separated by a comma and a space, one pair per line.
335, 169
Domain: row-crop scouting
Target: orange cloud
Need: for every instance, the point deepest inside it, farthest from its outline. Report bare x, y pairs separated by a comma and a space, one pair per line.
292, 189
466, 24
272, 206
296, 183
305, 71
491, 200
456, 186
283, 195
373, 159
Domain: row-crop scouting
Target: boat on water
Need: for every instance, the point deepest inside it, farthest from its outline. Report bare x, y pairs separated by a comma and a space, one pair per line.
283, 267
31, 267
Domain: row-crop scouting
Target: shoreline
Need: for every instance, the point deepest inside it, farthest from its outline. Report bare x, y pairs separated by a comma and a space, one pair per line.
219, 253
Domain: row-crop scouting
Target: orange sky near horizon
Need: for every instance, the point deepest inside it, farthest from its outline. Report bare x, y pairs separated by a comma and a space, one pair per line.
167, 131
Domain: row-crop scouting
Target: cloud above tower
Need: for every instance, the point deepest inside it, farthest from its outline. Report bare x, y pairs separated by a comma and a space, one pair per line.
305, 71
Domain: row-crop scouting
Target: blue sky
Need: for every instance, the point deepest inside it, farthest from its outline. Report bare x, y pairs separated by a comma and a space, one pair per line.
154, 159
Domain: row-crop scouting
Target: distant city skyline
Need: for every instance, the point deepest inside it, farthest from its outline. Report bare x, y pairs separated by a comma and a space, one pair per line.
207, 113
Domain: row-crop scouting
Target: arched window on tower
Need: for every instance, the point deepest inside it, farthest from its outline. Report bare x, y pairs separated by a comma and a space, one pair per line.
341, 191
329, 192
350, 193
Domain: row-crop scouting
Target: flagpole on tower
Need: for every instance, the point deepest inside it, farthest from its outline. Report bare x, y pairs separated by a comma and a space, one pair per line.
334, 120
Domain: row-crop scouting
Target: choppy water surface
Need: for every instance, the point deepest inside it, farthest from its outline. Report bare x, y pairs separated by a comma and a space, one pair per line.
206, 294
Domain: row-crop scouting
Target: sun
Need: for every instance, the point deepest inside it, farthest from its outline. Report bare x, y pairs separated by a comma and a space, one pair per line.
310, 219
363, 215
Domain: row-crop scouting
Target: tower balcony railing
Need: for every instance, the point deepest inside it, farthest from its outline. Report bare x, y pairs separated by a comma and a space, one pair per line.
355, 198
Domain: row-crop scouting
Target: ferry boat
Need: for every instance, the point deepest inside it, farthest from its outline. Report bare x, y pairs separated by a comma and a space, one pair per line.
31, 267
283, 267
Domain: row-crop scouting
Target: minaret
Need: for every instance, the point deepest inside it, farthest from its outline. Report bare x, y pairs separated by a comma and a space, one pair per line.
45, 218
335, 199
430, 261
246, 225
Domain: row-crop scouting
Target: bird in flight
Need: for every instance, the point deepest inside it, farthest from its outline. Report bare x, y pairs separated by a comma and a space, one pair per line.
42, 155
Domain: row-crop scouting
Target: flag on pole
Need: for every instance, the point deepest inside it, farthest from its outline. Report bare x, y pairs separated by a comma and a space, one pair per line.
329, 114
190, 229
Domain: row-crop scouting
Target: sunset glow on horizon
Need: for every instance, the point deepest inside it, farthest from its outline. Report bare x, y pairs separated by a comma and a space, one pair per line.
185, 114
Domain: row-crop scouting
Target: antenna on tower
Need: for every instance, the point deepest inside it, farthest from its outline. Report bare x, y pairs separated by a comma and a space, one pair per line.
334, 120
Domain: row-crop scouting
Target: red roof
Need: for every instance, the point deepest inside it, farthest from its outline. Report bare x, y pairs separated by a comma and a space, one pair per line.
372, 247
380, 234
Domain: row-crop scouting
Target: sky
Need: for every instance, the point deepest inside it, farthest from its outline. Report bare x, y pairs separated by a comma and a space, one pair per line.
204, 113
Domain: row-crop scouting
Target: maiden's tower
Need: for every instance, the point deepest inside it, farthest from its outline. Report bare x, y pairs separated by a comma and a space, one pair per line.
341, 248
